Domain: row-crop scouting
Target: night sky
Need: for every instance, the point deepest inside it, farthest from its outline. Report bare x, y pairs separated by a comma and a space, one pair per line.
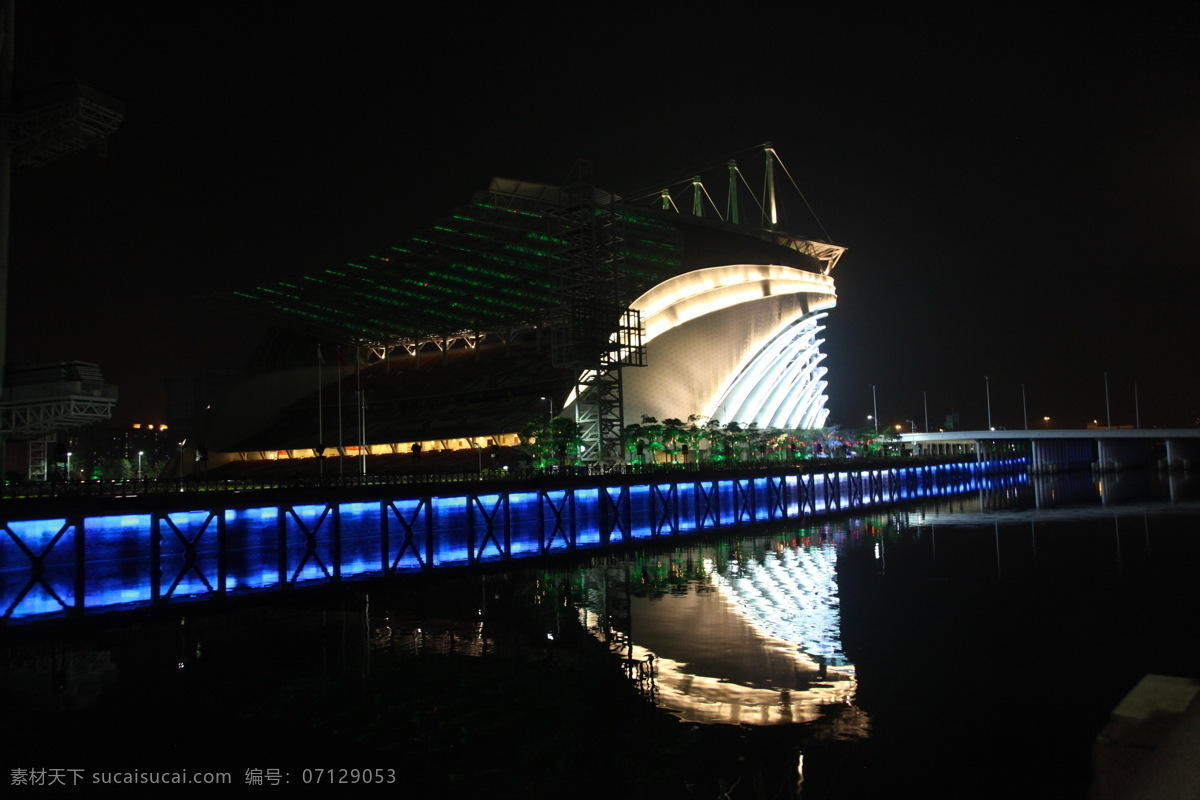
1018, 190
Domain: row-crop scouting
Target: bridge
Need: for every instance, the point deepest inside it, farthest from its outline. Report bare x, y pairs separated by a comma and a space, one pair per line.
1102, 449
63, 559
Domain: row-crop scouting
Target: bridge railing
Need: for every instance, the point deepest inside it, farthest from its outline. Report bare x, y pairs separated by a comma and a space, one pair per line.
157, 486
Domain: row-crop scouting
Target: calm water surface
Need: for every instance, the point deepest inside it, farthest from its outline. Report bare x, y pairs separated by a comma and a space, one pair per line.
971, 646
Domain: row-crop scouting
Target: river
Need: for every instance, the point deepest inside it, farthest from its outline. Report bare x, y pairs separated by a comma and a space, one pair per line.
965, 646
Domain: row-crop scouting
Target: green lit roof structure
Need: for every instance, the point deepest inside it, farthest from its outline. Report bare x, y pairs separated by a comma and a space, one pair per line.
485, 268
488, 267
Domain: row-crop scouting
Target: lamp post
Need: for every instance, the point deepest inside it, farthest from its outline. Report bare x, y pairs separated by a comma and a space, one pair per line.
68, 465
987, 387
140, 454
925, 398
1107, 407
875, 408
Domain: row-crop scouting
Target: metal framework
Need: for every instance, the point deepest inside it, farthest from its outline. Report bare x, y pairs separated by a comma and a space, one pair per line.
38, 417
47, 398
596, 334
39, 459
826, 253
59, 121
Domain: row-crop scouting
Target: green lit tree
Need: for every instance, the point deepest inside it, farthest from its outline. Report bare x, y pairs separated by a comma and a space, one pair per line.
673, 433
636, 444
551, 441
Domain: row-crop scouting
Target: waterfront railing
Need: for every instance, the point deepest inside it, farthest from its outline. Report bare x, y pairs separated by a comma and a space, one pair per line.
174, 486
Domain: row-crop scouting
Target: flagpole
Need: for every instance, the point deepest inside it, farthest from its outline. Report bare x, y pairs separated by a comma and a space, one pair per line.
362, 421
320, 415
341, 441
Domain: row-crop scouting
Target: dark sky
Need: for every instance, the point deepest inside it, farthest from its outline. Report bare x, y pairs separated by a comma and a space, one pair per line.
1018, 189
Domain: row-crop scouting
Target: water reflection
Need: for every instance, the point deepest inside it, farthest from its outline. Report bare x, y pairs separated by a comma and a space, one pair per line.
744, 632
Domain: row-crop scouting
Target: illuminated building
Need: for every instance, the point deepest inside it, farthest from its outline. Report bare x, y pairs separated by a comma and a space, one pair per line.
464, 333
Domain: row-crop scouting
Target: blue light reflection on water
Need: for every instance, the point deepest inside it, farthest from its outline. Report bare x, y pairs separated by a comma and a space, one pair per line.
270, 546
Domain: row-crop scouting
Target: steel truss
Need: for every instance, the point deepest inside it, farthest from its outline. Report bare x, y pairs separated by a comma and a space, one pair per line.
39, 459
439, 343
45, 416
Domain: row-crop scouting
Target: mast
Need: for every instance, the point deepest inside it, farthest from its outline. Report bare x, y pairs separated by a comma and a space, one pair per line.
770, 177
733, 203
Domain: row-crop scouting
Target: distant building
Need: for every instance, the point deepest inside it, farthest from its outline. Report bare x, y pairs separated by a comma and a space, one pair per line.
41, 404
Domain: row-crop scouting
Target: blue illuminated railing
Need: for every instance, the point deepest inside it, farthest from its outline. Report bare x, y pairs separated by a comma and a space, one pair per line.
82, 564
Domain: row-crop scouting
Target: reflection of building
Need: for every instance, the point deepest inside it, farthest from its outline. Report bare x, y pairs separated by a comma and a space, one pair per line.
750, 640
791, 597
517, 305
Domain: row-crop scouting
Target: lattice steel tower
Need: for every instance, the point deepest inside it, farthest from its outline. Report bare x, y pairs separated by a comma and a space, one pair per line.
595, 333
35, 129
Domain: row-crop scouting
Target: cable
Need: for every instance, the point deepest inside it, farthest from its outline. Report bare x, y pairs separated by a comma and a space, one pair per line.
828, 238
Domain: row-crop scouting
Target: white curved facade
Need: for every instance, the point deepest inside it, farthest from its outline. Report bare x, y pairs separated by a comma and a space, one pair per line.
737, 343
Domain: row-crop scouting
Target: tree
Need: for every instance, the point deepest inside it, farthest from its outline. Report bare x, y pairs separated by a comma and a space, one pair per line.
551, 440
672, 434
635, 442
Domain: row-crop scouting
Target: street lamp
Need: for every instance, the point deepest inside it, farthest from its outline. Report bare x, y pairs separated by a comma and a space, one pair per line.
987, 386
140, 454
875, 408
1107, 407
68, 465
